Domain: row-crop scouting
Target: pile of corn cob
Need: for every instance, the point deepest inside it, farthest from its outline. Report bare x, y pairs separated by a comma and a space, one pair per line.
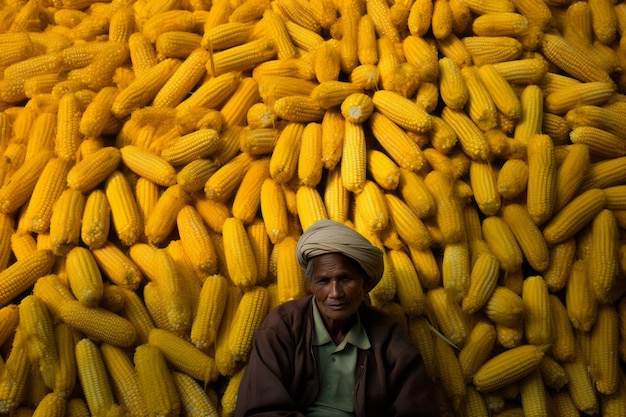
161, 158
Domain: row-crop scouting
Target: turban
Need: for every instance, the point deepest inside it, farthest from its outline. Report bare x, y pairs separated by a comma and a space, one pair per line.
329, 236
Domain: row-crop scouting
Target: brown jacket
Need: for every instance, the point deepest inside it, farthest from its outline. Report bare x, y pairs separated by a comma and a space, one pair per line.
282, 380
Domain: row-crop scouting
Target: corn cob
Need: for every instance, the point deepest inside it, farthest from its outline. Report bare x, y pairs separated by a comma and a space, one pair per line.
602, 261
580, 386
508, 366
450, 373
94, 378
247, 319
480, 342
156, 381
574, 216
529, 237
239, 255
447, 314
92, 170
581, 304
194, 400
399, 146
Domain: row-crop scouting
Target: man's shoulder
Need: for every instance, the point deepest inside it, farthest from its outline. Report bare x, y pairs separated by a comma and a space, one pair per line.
290, 311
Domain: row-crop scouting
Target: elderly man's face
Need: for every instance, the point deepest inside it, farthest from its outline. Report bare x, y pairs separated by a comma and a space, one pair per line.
338, 285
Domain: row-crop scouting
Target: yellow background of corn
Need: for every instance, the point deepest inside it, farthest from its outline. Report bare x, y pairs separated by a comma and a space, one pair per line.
58, 56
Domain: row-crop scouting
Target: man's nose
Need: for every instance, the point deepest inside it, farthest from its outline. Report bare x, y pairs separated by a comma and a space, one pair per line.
336, 289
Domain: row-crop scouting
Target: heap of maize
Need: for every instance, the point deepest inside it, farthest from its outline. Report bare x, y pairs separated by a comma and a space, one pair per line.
161, 158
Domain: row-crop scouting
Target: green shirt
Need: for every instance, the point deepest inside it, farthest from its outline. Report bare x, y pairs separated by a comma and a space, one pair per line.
337, 365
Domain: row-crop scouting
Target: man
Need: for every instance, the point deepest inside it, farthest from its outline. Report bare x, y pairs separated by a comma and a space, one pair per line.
331, 354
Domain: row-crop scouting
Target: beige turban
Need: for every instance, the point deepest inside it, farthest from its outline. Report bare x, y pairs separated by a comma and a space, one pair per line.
329, 236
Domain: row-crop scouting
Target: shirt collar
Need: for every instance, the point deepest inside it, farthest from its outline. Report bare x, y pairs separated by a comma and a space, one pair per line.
356, 335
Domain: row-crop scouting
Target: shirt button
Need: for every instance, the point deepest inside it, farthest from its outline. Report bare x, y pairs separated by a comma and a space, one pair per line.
333, 359
328, 386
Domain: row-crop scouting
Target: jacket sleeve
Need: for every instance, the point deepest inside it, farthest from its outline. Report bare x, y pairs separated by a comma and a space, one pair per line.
265, 386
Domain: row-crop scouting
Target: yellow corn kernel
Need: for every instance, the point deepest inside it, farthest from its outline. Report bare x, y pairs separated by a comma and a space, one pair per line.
124, 211
92, 170
599, 142
484, 186
500, 91
224, 182
284, 159
452, 86
117, 266
16, 192
372, 207
403, 150
47, 190
604, 173
247, 198
541, 188
183, 355
333, 133
604, 366
471, 139
602, 259
483, 280
240, 259
571, 60
195, 174
156, 381
298, 109
177, 44
84, 276
290, 277
402, 111
505, 307
212, 212
420, 15
93, 377
408, 288
448, 210
12, 387
228, 401
310, 206
194, 399
529, 238
383, 170
65, 221
210, 310
408, 225
336, 197
508, 366
574, 216
23, 273
17, 73
581, 304
144, 88
354, 157
242, 57
537, 323
481, 107
478, 346
212, 93
142, 53
196, 241
310, 162
447, 314
124, 379
96, 220
450, 373
148, 165
248, 317
579, 385
36, 325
